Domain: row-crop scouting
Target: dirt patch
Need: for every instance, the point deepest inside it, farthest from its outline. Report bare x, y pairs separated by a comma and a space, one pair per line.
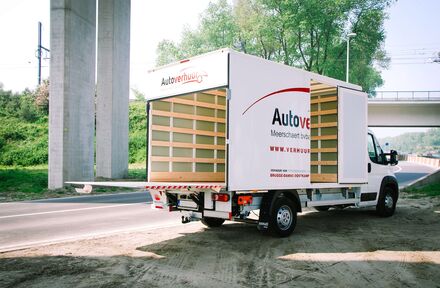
351, 247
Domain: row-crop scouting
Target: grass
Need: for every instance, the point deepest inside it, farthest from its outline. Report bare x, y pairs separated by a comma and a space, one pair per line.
27, 183
431, 190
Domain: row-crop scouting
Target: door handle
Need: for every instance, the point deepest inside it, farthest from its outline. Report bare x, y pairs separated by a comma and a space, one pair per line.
369, 167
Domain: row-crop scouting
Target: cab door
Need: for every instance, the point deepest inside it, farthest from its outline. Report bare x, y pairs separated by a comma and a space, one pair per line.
377, 165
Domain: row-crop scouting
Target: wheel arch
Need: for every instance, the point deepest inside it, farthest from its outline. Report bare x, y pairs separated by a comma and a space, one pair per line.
291, 194
390, 181
268, 202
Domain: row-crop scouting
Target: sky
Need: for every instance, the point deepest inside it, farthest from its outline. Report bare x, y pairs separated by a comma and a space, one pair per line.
412, 41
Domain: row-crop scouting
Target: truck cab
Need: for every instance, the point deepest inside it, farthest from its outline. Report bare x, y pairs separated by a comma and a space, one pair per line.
382, 186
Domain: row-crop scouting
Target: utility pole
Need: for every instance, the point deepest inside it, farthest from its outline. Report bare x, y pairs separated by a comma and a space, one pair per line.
39, 52
348, 56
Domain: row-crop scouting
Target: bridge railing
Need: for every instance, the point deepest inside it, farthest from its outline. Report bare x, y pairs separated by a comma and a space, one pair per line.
405, 96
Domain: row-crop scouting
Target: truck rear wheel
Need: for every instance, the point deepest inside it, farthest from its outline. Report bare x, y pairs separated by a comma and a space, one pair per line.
283, 217
386, 205
212, 222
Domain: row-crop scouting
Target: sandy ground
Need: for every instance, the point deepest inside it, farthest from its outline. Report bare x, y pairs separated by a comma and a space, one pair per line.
338, 248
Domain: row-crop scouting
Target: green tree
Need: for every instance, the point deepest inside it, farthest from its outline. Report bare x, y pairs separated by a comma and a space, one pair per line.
217, 29
306, 34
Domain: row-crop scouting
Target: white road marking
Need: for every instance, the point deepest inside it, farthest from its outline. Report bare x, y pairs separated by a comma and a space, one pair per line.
398, 169
86, 237
71, 210
45, 200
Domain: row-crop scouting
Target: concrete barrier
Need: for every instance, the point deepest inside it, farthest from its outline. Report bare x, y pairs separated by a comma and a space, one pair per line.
433, 162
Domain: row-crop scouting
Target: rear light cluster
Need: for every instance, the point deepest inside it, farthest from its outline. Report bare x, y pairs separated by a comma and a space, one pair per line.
221, 197
244, 200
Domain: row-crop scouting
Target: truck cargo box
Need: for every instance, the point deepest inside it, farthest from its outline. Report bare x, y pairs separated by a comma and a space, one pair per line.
254, 125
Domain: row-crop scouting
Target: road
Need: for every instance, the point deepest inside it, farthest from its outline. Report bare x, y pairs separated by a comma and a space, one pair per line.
407, 172
32, 223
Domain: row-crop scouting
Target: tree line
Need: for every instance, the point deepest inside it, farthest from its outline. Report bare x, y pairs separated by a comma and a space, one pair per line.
415, 142
311, 35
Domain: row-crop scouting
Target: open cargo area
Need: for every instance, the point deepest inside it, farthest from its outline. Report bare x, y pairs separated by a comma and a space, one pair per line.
187, 136
324, 134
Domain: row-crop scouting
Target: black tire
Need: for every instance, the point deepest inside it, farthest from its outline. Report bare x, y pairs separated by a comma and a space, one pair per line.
212, 222
386, 205
282, 219
322, 208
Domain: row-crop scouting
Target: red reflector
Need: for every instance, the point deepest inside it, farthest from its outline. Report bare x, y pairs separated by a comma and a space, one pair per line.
183, 61
221, 197
244, 200
158, 207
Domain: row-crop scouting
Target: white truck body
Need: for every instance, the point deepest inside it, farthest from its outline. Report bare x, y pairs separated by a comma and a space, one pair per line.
256, 87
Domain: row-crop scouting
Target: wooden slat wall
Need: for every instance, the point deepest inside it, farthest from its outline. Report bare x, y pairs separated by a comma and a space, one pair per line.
324, 145
187, 139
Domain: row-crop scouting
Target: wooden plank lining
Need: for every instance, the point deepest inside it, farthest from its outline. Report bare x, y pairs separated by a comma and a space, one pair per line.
325, 125
195, 103
188, 116
184, 112
186, 159
325, 137
324, 150
187, 176
324, 112
323, 90
324, 163
320, 95
215, 92
187, 145
318, 85
324, 177
187, 131
324, 100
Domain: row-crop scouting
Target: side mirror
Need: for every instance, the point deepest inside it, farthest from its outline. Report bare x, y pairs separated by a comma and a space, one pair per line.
393, 158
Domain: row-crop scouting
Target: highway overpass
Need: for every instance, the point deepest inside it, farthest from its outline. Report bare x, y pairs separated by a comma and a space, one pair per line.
404, 109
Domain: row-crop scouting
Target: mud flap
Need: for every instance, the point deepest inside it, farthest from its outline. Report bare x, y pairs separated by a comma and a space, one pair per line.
266, 203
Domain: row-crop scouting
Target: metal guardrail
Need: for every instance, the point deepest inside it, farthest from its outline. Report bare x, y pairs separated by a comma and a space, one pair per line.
405, 96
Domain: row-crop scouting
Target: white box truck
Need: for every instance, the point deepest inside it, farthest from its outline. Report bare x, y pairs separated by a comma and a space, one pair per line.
236, 137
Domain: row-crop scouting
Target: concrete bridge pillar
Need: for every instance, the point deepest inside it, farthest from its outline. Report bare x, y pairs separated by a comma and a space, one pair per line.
112, 88
72, 90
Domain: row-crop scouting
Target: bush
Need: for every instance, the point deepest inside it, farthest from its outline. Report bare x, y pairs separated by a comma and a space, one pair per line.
24, 128
23, 143
137, 136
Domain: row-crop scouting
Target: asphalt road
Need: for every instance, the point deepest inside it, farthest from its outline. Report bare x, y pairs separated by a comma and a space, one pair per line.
407, 172
33, 223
